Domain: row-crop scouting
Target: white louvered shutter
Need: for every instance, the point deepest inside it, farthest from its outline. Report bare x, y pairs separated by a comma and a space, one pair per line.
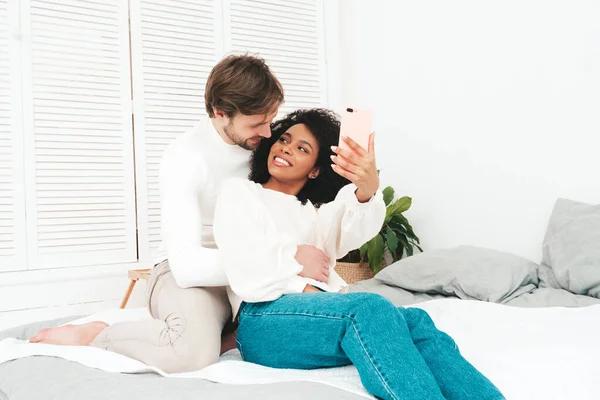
173, 50
12, 215
78, 133
286, 34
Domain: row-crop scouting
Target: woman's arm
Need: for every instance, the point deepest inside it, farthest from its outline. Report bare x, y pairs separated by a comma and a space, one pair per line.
258, 260
364, 210
346, 224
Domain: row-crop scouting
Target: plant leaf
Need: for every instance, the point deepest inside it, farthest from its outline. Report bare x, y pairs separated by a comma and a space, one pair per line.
400, 229
419, 247
402, 204
395, 255
391, 240
409, 250
363, 250
396, 225
416, 238
375, 253
388, 195
398, 207
399, 252
403, 241
404, 244
399, 219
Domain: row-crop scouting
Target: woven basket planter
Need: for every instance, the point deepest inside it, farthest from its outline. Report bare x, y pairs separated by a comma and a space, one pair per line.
353, 272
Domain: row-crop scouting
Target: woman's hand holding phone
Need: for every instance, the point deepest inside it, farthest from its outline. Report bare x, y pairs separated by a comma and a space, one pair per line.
358, 166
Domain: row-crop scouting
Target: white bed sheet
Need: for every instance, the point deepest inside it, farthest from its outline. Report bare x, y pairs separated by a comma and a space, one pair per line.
537, 353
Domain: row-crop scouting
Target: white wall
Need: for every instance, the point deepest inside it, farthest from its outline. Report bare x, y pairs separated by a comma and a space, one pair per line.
486, 111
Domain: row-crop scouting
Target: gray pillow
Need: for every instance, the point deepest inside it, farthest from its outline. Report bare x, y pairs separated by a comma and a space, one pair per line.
547, 278
467, 272
571, 250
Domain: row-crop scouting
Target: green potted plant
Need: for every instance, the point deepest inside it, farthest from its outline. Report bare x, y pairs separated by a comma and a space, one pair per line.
395, 239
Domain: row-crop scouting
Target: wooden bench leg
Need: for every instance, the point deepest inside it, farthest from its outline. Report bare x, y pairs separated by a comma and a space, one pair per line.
129, 290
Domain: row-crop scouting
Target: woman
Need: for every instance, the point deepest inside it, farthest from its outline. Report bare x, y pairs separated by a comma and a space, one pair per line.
290, 313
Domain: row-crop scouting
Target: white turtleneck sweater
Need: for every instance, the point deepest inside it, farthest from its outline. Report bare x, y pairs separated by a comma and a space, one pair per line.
192, 171
258, 230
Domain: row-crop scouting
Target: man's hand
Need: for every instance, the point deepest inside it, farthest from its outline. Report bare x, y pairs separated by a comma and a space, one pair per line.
358, 166
315, 263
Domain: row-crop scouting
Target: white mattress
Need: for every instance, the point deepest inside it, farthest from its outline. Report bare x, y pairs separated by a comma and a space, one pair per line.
541, 353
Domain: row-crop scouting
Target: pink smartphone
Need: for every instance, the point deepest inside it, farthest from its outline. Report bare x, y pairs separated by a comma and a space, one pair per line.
356, 124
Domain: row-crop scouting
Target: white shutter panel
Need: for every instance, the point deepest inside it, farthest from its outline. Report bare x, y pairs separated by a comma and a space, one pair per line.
80, 187
173, 51
287, 34
12, 215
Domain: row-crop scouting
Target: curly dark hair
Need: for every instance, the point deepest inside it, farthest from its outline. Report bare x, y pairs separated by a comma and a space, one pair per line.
325, 126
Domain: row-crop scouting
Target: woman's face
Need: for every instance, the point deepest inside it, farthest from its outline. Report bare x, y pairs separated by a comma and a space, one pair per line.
293, 156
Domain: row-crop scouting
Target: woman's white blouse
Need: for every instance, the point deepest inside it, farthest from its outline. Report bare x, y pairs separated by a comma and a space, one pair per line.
258, 230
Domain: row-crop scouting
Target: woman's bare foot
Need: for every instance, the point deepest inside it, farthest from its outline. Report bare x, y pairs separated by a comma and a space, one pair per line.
228, 342
70, 335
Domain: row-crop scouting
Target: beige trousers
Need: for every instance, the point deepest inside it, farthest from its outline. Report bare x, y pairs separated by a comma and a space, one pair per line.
185, 334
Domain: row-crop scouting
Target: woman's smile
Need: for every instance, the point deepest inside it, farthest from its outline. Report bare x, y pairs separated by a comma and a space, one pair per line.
281, 162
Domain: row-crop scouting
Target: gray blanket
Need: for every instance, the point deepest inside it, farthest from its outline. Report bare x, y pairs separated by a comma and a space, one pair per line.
48, 378
56, 379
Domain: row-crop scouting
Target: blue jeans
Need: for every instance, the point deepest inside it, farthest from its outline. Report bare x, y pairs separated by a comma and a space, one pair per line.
399, 353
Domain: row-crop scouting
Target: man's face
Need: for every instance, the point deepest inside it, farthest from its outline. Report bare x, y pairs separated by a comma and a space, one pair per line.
247, 131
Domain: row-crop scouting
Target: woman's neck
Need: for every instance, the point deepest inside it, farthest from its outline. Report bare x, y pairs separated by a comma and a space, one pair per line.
291, 188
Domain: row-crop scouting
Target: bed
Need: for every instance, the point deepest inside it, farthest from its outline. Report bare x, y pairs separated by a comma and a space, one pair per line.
531, 328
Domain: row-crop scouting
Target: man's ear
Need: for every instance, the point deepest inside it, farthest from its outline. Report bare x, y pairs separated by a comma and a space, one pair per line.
219, 114
314, 173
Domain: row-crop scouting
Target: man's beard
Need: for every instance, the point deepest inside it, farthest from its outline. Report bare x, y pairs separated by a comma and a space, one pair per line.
237, 140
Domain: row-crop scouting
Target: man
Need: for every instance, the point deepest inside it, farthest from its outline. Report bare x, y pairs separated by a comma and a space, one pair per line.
186, 295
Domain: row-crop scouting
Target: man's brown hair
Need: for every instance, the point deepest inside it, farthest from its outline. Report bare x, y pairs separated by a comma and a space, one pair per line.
242, 84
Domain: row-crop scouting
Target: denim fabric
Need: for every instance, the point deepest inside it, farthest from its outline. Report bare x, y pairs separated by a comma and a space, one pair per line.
399, 353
